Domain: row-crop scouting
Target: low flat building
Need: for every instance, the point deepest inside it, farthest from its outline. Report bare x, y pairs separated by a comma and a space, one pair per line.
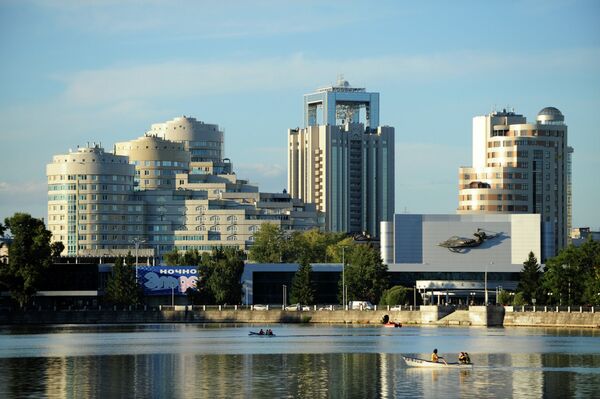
454, 253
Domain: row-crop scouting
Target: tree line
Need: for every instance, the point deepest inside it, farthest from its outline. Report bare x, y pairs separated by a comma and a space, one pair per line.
570, 278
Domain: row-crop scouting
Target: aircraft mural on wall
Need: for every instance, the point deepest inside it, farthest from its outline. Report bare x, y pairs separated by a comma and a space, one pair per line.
460, 244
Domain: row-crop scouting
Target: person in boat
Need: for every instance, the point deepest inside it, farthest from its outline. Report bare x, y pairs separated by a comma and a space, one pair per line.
261, 332
463, 358
269, 332
435, 358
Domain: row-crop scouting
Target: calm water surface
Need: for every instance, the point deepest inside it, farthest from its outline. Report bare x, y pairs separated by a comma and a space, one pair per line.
215, 361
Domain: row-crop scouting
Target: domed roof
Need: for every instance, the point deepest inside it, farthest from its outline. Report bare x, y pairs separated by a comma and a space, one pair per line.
550, 114
550, 111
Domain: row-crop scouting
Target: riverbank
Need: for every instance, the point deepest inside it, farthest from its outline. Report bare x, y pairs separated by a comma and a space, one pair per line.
426, 315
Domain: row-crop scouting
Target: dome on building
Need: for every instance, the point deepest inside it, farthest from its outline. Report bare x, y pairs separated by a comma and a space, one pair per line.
550, 114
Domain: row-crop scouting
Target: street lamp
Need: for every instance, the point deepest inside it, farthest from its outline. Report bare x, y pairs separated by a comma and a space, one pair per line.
485, 283
343, 277
137, 241
550, 298
284, 295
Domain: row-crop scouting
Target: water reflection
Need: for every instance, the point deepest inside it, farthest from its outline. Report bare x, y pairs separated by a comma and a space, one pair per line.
295, 375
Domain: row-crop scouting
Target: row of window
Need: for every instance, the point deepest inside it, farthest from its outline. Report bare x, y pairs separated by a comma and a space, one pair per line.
160, 163
101, 178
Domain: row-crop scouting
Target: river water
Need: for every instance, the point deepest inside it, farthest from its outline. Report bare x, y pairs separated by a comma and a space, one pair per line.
302, 361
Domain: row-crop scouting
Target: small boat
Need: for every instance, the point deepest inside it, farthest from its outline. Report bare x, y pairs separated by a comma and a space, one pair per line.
414, 362
393, 325
254, 333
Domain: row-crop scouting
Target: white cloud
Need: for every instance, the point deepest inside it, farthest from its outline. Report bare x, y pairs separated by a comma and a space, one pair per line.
186, 79
259, 170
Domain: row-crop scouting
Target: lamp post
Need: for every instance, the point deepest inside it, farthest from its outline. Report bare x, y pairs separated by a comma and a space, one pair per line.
343, 277
550, 298
485, 283
284, 295
137, 241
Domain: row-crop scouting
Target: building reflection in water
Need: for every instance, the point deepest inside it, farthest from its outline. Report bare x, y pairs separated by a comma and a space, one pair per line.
302, 375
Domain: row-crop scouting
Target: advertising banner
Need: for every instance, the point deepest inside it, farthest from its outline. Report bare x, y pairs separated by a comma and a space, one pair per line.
165, 280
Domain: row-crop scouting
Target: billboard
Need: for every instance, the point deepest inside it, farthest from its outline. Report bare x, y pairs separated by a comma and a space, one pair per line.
167, 280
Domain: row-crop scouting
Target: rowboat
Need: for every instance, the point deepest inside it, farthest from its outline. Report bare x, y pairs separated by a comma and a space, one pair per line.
396, 325
254, 333
414, 362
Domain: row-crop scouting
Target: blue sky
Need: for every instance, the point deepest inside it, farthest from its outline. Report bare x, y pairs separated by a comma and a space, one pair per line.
77, 71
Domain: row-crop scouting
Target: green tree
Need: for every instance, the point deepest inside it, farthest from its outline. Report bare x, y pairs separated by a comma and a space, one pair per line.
56, 249
224, 271
504, 297
312, 245
366, 275
270, 245
173, 258
29, 256
530, 282
122, 287
337, 251
303, 290
573, 275
397, 295
519, 300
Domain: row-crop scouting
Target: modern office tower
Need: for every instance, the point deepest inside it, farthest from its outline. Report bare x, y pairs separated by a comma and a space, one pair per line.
91, 207
342, 160
521, 167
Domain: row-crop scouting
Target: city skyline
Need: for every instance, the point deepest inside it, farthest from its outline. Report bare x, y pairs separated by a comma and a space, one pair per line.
106, 71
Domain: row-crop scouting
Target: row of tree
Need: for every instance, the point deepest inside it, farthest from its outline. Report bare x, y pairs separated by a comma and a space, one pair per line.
570, 278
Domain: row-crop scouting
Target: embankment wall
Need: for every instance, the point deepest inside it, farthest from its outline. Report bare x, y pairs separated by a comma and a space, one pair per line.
477, 316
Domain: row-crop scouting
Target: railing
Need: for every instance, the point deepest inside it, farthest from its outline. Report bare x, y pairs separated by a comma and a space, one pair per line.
548, 308
204, 308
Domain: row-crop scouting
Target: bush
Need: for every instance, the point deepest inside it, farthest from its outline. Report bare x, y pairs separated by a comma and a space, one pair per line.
519, 299
397, 295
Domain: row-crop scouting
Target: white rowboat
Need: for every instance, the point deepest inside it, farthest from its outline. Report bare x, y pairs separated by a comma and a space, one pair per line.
414, 362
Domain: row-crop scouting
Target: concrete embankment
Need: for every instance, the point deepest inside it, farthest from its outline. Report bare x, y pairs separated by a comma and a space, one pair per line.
209, 316
426, 315
552, 319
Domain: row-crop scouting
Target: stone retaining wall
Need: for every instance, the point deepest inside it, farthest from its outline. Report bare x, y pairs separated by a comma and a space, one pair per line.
477, 316
552, 319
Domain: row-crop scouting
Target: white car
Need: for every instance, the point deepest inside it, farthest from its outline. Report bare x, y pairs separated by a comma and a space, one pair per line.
298, 307
326, 307
260, 307
396, 307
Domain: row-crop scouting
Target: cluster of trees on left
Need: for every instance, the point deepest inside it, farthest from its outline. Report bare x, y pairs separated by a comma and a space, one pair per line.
29, 255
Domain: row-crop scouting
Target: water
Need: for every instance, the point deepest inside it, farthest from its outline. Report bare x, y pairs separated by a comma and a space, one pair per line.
303, 361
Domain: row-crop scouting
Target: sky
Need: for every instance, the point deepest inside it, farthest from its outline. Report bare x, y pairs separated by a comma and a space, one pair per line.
79, 71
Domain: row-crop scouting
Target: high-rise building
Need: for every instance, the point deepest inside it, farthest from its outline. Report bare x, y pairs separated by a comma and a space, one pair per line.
521, 167
168, 189
91, 207
342, 160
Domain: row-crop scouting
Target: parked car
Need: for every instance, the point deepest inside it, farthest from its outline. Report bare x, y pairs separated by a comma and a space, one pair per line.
361, 305
298, 307
260, 307
326, 307
396, 307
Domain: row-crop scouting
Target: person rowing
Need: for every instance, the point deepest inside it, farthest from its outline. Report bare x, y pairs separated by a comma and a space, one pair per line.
435, 358
463, 358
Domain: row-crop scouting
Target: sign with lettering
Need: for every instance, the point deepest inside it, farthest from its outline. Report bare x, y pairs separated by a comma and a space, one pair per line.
167, 280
